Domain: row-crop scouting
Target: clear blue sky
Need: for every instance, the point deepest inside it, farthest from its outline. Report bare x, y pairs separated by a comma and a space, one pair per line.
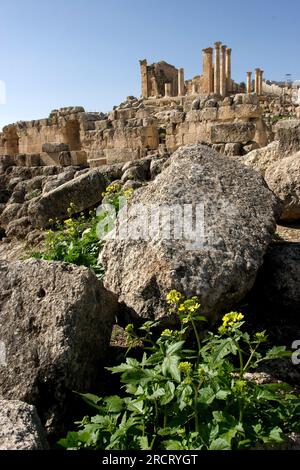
57, 53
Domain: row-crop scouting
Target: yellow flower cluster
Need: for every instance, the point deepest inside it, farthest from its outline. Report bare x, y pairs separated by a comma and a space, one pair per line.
173, 297
229, 321
166, 332
185, 367
112, 189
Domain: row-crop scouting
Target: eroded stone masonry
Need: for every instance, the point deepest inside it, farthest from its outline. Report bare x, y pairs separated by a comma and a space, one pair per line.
212, 108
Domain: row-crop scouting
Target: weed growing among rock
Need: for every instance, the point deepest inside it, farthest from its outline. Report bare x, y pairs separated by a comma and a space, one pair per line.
177, 398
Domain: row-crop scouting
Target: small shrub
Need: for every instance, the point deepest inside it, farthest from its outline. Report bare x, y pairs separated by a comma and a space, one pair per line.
177, 398
76, 240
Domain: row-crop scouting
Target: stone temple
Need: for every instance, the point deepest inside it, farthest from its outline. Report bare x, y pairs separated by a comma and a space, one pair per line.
212, 108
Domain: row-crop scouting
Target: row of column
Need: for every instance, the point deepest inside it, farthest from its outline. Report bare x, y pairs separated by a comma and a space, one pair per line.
258, 82
217, 73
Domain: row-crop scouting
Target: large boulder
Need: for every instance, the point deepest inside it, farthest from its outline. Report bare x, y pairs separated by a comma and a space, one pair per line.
241, 132
55, 324
283, 178
83, 192
20, 427
218, 261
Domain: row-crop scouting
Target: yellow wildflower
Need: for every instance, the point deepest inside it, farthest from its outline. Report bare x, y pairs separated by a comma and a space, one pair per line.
185, 367
173, 297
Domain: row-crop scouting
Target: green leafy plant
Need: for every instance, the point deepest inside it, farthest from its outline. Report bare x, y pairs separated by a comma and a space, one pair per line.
178, 398
76, 239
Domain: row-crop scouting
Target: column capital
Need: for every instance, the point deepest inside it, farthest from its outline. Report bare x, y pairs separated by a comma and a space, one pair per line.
224, 47
208, 50
249, 73
257, 70
218, 44
228, 50
143, 62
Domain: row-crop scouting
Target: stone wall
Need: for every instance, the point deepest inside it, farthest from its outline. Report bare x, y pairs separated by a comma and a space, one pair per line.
139, 127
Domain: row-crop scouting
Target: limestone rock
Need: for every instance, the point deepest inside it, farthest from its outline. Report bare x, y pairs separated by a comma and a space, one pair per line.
5, 162
84, 192
239, 218
287, 132
261, 159
55, 323
283, 178
241, 132
233, 149
52, 147
20, 427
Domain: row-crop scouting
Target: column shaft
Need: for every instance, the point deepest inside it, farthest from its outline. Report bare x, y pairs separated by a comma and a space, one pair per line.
249, 83
217, 69
223, 86
208, 70
181, 85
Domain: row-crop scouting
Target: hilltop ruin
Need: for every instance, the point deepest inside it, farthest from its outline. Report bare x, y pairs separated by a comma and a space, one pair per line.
211, 108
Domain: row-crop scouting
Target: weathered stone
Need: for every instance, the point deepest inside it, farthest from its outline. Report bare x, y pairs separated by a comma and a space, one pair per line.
262, 158
196, 104
156, 166
52, 147
283, 178
233, 149
10, 213
55, 324
20, 427
5, 162
84, 192
19, 228
33, 159
220, 267
287, 132
232, 132
65, 158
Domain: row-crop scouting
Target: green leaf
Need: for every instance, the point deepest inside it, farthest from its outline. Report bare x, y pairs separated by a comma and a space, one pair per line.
114, 404
136, 405
226, 347
170, 367
206, 395
143, 442
90, 399
169, 393
70, 442
172, 445
220, 444
276, 435
174, 348
223, 394
276, 353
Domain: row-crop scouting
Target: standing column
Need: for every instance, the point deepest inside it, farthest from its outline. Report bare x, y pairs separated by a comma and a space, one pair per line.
223, 71
256, 81
181, 86
144, 78
167, 89
228, 69
208, 70
249, 83
261, 72
217, 68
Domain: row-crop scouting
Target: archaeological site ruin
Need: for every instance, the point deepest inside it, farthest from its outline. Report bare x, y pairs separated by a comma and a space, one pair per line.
210, 108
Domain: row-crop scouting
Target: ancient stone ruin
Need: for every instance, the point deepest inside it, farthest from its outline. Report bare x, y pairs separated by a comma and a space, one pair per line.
210, 108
